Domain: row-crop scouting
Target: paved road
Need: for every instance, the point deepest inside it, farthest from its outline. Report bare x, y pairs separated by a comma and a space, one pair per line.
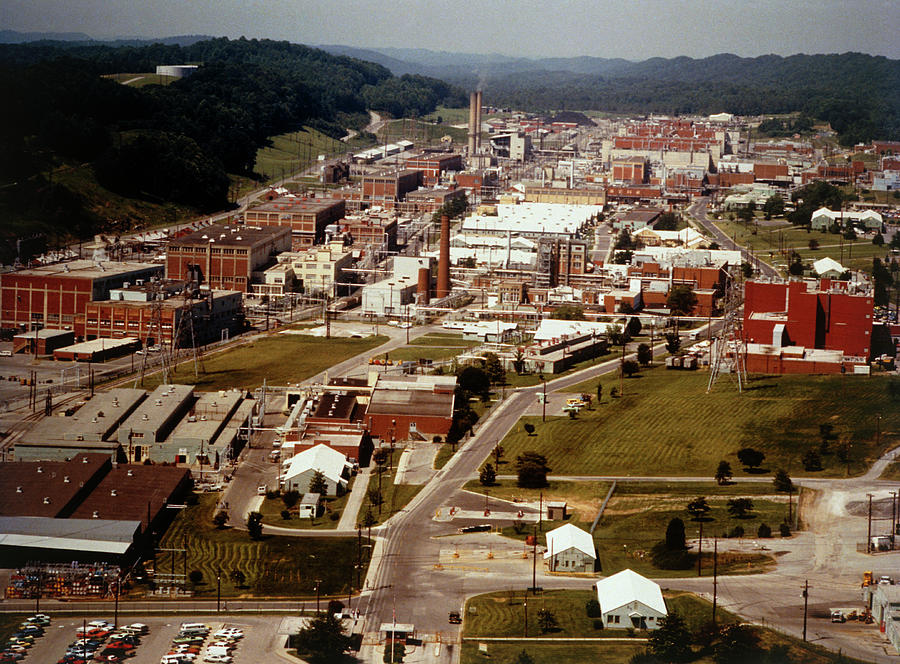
698, 211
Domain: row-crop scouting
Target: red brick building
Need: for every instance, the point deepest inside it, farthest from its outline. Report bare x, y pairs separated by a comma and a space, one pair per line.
306, 217
411, 407
212, 311
224, 257
391, 187
828, 315
433, 165
54, 296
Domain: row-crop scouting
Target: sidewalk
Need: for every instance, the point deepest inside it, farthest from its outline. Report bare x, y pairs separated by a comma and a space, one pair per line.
354, 502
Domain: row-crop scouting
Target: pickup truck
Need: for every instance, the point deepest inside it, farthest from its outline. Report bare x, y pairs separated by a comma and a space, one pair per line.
455, 618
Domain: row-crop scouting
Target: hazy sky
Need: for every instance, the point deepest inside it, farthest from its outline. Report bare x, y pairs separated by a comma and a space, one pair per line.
631, 29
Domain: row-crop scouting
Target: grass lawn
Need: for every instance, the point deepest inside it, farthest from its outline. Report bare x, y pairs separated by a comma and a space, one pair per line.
666, 424
394, 496
274, 566
272, 507
9, 623
637, 518
501, 614
444, 454
549, 653
279, 358
294, 151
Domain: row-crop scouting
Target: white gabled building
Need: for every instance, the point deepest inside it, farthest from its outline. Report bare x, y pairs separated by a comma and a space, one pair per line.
321, 458
570, 549
628, 599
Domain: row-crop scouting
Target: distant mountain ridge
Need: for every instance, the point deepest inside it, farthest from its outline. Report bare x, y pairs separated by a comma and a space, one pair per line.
15, 37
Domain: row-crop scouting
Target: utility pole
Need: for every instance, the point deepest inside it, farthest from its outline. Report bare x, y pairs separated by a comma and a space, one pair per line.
525, 604
534, 564
318, 582
715, 578
805, 605
541, 513
869, 529
790, 504
218, 589
700, 550
893, 515
544, 400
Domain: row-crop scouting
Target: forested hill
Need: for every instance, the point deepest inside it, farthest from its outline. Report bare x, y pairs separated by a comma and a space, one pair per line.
858, 94
176, 143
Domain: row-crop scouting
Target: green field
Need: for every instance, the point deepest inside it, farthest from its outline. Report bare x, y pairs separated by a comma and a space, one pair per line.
274, 566
501, 614
637, 517
419, 132
279, 358
449, 116
666, 424
296, 151
768, 241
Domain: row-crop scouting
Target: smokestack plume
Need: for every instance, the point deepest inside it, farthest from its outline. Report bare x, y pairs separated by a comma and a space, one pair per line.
473, 120
443, 276
478, 121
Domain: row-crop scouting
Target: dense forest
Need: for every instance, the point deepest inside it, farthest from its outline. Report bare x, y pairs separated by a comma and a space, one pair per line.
858, 94
178, 143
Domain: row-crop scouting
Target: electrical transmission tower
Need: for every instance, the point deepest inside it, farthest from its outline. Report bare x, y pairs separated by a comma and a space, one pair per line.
728, 349
186, 328
155, 326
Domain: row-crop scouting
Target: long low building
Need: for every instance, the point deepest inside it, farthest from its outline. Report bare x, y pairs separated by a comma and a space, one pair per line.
29, 538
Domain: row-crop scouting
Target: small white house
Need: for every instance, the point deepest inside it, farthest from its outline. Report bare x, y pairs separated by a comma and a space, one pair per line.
570, 549
320, 458
828, 268
628, 599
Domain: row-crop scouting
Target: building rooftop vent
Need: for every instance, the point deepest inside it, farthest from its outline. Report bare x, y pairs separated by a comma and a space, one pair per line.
144, 417
46, 500
95, 515
113, 492
84, 459
40, 469
94, 420
66, 479
130, 473
18, 489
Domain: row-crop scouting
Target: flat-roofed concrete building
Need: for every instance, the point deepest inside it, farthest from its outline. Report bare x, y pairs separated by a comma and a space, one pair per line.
154, 419
42, 342
89, 429
225, 256
54, 296
306, 218
196, 434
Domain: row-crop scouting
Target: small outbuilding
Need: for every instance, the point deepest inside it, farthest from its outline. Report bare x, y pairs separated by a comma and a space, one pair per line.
570, 549
628, 599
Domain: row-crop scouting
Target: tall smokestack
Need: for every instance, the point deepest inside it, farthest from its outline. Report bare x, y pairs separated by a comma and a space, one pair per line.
478, 121
443, 275
424, 286
473, 120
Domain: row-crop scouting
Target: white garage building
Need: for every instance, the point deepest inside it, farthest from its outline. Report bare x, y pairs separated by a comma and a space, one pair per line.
321, 458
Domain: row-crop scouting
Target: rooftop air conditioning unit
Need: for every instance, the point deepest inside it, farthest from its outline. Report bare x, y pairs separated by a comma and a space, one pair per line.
46, 500
40, 469
144, 417
18, 489
95, 515
130, 473
66, 479
113, 492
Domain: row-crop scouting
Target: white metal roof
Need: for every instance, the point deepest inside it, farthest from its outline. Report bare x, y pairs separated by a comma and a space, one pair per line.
555, 329
567, 537
322, 458
628, 586
827, 264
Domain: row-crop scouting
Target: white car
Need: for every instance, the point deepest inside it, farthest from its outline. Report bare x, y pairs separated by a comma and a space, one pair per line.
218, 659
261, 490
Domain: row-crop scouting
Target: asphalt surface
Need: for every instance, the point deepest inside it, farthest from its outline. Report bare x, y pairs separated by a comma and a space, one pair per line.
698, 211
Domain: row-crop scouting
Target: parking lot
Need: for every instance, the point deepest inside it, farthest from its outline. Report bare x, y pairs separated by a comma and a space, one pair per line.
263, 636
